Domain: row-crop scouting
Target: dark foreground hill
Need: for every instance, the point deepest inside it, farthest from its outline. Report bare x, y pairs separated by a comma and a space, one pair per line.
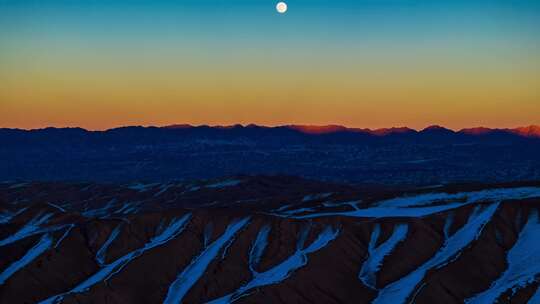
385, 156
268, 240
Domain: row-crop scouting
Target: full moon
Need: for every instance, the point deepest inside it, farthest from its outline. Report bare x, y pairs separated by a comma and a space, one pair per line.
281, 7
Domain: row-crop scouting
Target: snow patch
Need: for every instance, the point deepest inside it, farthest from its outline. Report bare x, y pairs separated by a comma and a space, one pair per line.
142, 187
100, 255
68, 230
400, 290
175, 227
225, 183
523, 264
6, 216
99, 212
376, 255
42, 245
283, 270
258, 247
425, 204
498, 194
191, 274
31, 228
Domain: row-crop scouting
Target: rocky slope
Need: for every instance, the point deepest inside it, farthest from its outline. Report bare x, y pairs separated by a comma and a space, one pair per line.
268, 240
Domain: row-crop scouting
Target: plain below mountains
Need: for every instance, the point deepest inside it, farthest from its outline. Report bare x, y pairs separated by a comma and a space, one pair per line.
334, 153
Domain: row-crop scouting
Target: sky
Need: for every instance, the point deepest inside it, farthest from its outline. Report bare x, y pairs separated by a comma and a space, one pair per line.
366, 63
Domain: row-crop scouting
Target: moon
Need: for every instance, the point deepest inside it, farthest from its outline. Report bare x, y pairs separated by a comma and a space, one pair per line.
281, 7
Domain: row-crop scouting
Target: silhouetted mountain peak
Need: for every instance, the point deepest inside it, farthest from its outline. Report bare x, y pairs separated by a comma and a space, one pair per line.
311, 129
530, 131
388, 131
476, 131
254, 126
179, 126
437, 128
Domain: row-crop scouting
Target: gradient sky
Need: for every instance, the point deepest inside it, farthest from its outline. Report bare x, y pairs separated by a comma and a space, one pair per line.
363, 63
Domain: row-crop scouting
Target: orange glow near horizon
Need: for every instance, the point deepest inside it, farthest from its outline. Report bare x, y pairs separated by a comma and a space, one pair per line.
458, 65
353, 100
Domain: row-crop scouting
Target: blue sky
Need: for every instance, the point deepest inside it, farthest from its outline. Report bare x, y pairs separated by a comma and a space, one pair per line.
445, 59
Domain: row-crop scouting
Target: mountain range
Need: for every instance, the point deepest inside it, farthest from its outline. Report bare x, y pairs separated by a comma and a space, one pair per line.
336, 153
532, 131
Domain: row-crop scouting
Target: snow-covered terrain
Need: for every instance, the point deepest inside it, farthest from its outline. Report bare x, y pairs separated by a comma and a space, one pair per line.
259, 240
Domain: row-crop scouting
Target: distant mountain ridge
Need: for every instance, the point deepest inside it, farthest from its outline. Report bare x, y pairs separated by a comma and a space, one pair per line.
532, 131
336, 153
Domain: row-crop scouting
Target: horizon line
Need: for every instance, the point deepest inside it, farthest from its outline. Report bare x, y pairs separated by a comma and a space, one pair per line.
315, 128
